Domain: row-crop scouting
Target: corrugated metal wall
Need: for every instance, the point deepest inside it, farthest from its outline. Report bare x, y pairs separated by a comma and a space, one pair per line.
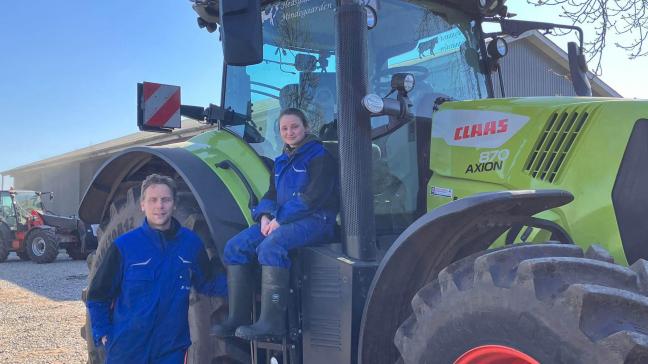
529, 72
68, 181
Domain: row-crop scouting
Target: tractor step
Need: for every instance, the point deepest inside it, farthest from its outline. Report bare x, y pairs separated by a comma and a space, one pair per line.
269, 350
288, 349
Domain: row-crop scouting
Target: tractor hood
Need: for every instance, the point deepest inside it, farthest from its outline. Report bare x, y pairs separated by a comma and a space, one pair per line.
569, 143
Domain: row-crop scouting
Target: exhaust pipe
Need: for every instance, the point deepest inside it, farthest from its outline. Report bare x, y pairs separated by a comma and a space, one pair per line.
354, 127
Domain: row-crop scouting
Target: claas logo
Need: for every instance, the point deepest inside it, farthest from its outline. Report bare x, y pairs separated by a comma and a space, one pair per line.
481, 129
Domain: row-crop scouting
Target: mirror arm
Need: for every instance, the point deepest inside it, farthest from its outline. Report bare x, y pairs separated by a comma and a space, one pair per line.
215, 114
515, 28
193, 112
400, 113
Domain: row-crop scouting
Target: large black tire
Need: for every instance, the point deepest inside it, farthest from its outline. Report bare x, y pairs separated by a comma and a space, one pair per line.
548, 301
23, 255
5, 242
42, 246
125, 214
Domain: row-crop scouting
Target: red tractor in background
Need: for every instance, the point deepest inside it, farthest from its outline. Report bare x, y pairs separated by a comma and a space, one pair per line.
36, 234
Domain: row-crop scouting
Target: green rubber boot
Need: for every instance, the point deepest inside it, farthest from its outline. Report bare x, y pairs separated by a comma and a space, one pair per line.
274, 302
240, 287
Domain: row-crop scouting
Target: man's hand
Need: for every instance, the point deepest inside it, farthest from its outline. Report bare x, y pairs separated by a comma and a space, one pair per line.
272, 226
265, 224
104, 340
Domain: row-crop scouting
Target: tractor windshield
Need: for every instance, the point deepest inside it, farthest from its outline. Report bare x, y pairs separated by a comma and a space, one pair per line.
436, 43
28, 201
7, 213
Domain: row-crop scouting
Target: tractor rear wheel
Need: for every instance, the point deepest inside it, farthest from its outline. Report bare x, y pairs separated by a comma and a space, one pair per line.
42, 246
4, 249
125, 215
546, 303
5, 241
23, 255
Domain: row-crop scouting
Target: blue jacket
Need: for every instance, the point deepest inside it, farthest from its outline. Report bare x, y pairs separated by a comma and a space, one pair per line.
139, 295
304, 182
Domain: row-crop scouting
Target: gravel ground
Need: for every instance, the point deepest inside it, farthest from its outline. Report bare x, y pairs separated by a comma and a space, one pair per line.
41, 311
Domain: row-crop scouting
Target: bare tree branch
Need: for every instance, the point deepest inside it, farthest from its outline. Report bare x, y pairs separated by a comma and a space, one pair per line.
625, 18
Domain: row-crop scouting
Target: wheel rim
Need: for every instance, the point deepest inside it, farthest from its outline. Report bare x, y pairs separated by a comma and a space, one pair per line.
495, 354
38, 246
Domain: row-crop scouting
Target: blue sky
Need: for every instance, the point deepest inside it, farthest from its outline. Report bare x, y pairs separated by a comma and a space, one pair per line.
68, 69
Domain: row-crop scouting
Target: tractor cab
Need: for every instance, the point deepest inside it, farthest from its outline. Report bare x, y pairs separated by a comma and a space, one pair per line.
440, 48
20, 207
437, 44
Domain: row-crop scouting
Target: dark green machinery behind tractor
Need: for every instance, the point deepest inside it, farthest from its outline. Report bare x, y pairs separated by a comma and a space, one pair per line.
449, 196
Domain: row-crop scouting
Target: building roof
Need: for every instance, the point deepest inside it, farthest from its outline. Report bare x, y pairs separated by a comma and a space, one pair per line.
558, 55
188, 130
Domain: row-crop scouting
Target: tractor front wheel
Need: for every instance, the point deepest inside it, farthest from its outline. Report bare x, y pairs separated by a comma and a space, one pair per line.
527, 304
5, 242
42, 246
4, 249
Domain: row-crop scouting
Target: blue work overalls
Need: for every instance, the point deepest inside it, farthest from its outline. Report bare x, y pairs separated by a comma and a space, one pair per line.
302, 221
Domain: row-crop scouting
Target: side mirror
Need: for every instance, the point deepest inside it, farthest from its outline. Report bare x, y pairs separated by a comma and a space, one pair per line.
577, 62
241, 31
578, 70
158, 107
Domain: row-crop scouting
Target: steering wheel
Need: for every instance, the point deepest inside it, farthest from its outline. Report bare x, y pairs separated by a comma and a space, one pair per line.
419, 72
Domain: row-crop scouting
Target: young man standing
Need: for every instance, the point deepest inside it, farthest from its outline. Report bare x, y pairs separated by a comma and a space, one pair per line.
138, 299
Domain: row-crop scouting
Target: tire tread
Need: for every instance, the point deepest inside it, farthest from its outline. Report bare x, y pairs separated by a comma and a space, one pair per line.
607, 300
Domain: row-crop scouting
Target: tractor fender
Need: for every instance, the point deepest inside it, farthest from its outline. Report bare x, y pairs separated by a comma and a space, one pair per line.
431, 243
219, 207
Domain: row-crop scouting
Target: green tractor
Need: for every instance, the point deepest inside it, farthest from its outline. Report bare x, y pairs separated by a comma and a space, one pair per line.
472, 229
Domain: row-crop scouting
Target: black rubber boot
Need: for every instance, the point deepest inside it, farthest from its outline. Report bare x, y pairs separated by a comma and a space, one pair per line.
240, 287
274, 301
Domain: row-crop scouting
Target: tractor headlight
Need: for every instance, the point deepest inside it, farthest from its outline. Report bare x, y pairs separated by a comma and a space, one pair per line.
373, 103
372, 17
403, 82
497, 48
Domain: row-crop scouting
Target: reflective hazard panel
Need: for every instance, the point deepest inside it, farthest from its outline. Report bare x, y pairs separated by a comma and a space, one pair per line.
158, 107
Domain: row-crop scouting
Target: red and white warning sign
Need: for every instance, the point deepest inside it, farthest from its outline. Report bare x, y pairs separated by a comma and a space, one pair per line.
160, 105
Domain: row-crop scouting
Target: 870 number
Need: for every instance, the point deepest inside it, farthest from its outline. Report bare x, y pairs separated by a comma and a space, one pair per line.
494, 156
